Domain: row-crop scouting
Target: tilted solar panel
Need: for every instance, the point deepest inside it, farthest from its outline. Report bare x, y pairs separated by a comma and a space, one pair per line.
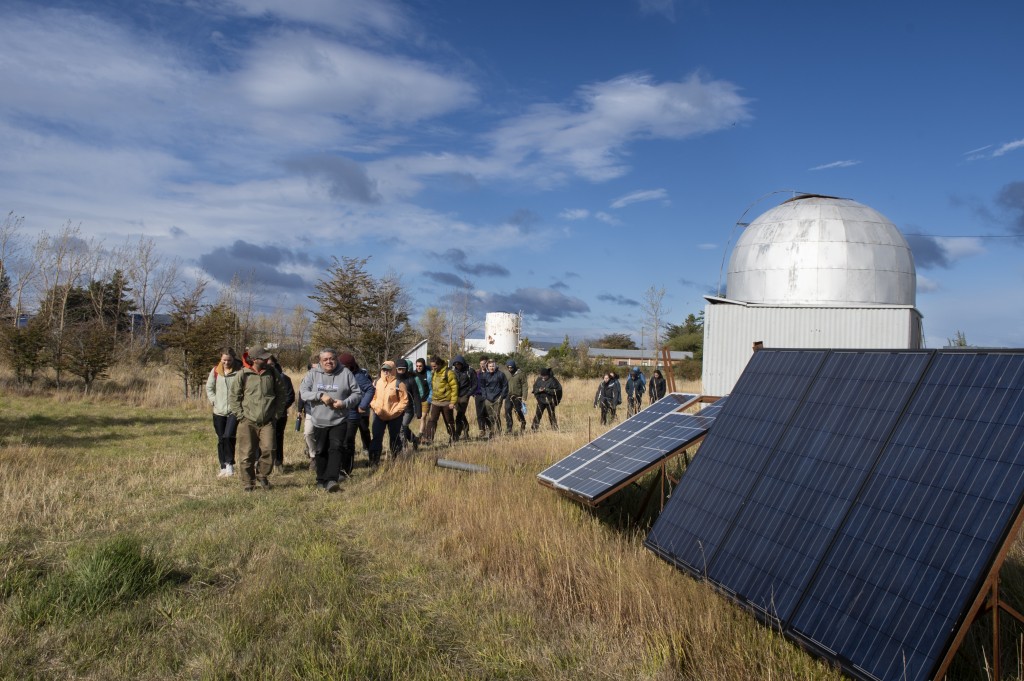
629, 449
877, 513
732, 457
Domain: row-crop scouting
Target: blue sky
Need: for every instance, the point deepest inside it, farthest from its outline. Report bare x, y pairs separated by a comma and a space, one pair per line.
560, 157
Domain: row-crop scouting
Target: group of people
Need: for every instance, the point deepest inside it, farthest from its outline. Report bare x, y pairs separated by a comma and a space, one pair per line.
251, 396
609, 393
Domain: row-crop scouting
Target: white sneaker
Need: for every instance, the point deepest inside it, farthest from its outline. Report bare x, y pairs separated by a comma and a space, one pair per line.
223, 473
230, 468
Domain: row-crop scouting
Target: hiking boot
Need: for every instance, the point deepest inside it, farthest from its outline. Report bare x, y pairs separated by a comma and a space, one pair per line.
248, 488
332, 486
264, 483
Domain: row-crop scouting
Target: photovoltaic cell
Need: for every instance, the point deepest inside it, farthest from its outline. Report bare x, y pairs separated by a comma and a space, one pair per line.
630, 449
732, 456
878, 511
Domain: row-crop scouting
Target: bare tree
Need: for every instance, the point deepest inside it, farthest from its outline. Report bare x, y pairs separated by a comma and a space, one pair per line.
22, 270
63, 260
434, 327
153, 280
654, 312
240, 297
299, 325
460, 317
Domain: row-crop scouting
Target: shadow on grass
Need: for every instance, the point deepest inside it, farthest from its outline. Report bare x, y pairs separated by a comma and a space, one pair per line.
81, 431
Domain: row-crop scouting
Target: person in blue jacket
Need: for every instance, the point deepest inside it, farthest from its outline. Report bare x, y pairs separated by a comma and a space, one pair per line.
636, 387
358, 416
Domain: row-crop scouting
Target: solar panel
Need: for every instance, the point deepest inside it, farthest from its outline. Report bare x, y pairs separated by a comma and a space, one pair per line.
877, 512
630, 449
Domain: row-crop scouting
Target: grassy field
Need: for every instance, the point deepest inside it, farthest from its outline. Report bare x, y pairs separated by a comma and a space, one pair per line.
123, 555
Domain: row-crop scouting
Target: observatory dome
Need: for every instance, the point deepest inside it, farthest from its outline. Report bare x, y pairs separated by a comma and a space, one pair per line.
820, 250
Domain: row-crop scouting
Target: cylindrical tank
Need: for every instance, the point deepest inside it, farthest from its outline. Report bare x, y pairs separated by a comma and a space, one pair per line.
821, 250
501, 332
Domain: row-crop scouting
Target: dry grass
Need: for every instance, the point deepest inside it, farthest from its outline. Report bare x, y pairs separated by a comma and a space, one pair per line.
411, 572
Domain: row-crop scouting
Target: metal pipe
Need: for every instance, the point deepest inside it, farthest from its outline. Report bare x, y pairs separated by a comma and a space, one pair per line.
462, 466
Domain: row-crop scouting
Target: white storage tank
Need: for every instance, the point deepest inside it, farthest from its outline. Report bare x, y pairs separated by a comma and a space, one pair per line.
501, 332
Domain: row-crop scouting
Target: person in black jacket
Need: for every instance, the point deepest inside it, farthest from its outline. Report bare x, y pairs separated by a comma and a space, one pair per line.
656, 386
281, 424
405, 373
548, 393
608, 397
466, 378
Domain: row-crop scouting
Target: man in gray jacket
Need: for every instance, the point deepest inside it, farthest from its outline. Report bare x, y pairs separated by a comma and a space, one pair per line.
331, 390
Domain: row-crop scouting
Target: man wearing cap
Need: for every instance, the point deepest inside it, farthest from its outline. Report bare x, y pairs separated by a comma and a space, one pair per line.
516, 402
257, 401
390, 398
332, 391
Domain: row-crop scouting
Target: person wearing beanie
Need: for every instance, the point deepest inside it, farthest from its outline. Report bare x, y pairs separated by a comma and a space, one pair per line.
516, 402
466, 379
358, 416
404, 372
390, 398
548, 393
608, 397
636, 386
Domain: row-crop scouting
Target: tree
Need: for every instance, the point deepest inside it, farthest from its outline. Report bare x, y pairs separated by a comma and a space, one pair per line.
194, 336
21, 271
151, 280
654, 312
615, 341
688, 336
460, 318
434, 327
24, 349
367, 316
92, 349
957, 341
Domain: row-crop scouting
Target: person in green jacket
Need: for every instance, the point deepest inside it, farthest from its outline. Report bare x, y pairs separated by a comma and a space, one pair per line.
218, 390
516, 402
257, 401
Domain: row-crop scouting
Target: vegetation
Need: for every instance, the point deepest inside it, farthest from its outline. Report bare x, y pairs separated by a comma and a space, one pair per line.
122, 555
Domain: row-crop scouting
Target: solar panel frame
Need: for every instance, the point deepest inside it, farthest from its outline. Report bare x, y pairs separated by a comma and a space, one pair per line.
602, 467
963, 426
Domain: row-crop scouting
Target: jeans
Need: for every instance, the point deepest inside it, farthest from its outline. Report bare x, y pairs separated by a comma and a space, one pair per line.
226, 428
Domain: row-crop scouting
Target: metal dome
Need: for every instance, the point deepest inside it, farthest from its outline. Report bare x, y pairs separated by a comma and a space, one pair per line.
820, 250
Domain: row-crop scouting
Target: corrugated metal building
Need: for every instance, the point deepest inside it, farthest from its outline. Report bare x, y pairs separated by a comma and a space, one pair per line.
813, 272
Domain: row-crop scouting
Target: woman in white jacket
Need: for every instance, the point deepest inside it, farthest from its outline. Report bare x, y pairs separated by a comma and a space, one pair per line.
225, 424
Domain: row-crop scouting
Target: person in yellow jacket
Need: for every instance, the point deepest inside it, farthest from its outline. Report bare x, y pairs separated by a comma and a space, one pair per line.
444, 394
390, 398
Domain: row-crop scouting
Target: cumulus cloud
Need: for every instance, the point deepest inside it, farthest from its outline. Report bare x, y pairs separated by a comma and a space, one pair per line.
345, 180
587, 135
457, 258
267, 265
346, 16
543, 304
447, 279
942, 252
1011, 199
836, 164
638, 196
617, 299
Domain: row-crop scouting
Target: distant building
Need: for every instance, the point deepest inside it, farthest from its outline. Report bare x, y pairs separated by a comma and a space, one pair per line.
636, 358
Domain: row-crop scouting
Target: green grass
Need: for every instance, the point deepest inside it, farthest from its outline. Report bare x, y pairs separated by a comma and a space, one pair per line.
123, 556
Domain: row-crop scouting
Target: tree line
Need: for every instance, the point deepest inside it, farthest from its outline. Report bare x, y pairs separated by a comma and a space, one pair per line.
71, 305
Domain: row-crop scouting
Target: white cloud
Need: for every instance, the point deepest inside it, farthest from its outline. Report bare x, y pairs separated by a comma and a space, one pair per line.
926, 284
638, 196
707, 247
1009, 146
836, 164
960, 247
296, 72
663, 8
607, 218
347, 16
574, 214
588, 134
